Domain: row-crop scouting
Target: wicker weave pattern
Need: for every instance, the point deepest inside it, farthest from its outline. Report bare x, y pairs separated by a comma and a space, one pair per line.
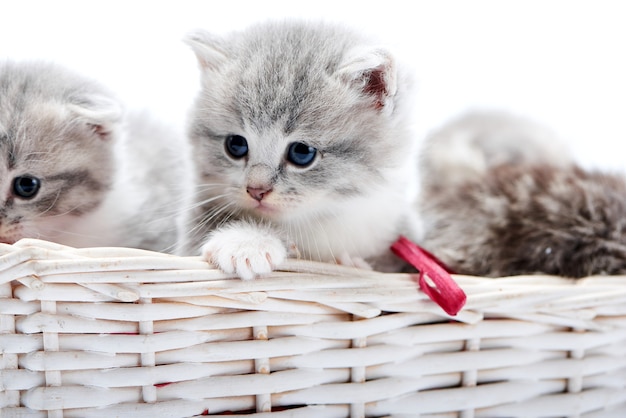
118, 332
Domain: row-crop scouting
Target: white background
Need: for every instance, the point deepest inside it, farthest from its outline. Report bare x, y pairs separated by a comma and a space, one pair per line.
560, 62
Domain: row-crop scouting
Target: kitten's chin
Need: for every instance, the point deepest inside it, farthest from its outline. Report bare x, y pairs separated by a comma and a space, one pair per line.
276, 211
269, 212
264, 210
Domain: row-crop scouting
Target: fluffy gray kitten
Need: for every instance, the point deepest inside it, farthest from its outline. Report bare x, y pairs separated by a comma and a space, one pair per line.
507, 199
75, 170
301, 142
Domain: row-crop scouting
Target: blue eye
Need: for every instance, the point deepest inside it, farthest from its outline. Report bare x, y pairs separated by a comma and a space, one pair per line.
237, 146
301, 154
26, 187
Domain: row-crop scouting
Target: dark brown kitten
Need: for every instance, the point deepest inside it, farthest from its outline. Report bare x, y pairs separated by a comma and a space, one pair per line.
521, 219
501, 198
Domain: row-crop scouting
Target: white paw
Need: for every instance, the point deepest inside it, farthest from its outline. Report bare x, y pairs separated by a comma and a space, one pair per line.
246, 250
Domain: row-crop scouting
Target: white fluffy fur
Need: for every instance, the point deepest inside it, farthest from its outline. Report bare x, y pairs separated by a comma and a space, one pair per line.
151, 179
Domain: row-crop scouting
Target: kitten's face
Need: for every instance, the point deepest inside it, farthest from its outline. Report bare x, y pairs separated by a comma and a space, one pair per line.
271, 173
55, 165
292, 123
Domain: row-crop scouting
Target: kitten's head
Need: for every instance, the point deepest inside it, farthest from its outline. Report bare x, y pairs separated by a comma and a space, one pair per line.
56, 135
296, 118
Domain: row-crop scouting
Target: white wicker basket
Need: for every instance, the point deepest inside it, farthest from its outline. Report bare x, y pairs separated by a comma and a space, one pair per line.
128, 333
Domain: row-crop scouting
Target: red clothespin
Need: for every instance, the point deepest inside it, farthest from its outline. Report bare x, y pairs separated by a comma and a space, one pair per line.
441, 289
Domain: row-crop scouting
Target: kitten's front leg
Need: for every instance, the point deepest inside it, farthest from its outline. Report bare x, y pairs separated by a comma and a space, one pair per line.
245, 248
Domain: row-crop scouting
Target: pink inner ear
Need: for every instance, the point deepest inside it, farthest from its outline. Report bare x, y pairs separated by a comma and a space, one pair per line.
100, 131
376, 86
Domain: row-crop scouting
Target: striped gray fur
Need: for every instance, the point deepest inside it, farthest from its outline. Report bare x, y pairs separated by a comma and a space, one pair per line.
322, 85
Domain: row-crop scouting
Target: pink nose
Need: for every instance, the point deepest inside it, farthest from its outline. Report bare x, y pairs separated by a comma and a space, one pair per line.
258, 193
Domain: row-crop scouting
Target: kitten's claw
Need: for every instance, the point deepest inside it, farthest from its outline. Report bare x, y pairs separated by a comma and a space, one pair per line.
246, 251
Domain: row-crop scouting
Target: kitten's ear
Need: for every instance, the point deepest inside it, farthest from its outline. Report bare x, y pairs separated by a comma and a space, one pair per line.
100, 113
209, 49
373, 71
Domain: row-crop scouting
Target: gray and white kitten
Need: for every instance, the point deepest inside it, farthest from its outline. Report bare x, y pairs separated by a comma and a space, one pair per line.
301, 141
75, 170
502, 197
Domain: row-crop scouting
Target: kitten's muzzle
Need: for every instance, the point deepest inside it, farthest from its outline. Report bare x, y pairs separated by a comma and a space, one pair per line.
258, 193
260, 181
